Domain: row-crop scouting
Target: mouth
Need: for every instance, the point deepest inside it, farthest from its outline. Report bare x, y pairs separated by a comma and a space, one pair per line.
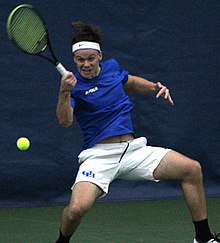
87, 71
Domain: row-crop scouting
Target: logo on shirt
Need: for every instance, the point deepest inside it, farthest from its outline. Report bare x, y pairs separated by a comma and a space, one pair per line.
88, 174
90, 91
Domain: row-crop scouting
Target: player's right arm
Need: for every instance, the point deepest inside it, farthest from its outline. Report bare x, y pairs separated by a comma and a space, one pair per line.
64, 110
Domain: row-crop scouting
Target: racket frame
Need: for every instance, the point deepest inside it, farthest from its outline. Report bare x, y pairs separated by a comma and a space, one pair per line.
60, 68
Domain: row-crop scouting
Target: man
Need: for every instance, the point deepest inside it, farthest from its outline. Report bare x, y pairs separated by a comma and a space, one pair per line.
96, 95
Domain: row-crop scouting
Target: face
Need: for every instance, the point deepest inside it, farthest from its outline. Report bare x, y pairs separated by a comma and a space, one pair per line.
87, 62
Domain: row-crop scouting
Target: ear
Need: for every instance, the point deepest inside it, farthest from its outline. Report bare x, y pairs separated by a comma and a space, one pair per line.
100, 56
74, 59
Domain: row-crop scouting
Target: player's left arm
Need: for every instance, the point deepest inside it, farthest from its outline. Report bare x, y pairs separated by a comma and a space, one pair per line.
140, 85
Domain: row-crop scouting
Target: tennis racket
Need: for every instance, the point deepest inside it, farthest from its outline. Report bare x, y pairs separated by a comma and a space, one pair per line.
28, 31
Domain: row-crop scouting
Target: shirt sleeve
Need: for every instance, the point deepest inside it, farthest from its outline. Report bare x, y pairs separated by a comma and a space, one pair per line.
72, 101
125, 79
123, 73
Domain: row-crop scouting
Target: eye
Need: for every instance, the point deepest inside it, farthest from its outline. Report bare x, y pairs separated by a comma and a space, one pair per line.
91, 59
81, 60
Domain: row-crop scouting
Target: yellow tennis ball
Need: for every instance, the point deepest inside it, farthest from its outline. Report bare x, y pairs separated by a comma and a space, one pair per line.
23, 143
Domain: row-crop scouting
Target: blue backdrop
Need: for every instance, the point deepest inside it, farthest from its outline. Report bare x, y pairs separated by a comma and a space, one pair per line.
175, 42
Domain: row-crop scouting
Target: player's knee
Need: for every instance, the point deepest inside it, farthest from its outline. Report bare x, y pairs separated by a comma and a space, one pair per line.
195, 170
75, 212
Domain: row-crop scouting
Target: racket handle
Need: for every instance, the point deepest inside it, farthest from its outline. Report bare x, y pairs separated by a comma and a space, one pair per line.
61, 69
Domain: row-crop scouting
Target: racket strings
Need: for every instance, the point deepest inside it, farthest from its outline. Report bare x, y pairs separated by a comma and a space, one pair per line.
28, 31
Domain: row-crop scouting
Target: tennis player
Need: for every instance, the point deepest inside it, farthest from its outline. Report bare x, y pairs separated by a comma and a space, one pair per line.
97, 97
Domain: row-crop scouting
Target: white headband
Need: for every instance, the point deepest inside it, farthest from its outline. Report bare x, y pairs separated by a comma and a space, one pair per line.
85, 45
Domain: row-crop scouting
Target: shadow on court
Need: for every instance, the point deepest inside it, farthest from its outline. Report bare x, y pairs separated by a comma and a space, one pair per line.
163, 221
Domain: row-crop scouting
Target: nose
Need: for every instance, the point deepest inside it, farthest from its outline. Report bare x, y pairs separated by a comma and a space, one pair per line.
86, 63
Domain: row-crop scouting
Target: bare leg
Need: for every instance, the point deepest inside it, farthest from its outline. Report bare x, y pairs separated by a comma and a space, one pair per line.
83, 197
175, 166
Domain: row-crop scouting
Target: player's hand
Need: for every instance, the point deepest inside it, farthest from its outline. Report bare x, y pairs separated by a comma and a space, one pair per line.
68, 82
163, 91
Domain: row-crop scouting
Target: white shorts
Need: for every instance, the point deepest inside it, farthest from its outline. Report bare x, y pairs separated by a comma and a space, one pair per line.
131, 160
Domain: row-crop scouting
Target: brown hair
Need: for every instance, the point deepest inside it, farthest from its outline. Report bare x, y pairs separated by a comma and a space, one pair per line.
86, 32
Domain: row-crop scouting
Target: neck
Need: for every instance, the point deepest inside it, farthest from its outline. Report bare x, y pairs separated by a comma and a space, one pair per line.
98, 71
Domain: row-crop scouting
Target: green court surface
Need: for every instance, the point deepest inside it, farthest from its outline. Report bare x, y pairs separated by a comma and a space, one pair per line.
162, 221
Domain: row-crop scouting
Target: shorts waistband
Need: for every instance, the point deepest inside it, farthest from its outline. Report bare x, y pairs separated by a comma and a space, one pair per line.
117, 139
134, 143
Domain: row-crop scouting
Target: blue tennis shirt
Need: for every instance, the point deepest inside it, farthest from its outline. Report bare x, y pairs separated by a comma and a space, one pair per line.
100, 104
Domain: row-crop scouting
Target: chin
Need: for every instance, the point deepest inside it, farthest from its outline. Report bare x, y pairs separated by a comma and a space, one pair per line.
88, 76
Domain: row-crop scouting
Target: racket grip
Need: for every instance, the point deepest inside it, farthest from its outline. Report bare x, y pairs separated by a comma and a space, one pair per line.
61, 69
